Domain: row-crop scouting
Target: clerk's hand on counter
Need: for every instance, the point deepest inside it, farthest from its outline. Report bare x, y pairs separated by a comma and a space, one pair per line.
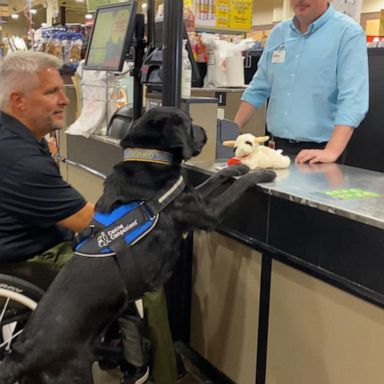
334, 148
313, 156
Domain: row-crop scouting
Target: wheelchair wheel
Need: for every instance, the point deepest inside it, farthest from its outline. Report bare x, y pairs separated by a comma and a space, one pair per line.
18, 298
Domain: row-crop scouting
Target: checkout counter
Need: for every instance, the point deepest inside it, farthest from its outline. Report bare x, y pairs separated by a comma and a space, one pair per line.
290, 289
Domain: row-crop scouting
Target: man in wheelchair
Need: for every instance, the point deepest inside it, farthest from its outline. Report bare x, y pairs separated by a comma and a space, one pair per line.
39, 211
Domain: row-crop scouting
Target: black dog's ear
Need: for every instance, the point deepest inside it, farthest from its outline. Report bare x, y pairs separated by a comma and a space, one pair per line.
145, 132
182, 137
178, 133
166, 128
127, 139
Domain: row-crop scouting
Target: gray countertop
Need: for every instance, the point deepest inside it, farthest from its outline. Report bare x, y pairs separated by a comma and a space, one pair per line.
219, 89
354, 193
107, 139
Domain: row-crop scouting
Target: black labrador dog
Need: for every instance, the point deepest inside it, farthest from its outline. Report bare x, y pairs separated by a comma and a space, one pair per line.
56, 346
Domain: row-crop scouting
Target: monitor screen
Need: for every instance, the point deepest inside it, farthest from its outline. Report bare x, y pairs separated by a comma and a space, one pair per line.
111, 37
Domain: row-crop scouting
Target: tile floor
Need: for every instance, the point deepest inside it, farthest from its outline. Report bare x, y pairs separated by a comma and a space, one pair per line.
193, 376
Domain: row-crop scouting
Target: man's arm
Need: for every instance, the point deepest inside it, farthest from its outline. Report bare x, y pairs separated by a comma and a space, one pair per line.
244, 114
339, 139
79, 220
334, 148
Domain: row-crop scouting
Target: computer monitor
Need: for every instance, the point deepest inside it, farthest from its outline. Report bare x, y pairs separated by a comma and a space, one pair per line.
111, 37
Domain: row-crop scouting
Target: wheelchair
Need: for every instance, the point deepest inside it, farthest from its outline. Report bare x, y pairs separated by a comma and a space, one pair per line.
22, 285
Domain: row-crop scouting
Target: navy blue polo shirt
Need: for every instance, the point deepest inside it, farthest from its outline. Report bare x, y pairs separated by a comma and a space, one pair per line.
33, 195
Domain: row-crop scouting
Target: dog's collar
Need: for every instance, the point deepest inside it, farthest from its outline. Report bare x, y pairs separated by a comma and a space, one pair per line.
148, 155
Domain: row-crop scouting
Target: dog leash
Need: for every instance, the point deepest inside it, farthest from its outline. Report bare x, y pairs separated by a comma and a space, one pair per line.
111, 234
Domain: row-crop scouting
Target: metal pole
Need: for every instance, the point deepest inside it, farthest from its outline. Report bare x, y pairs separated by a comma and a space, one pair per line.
151, 20
139, 54
172, 55
62, 16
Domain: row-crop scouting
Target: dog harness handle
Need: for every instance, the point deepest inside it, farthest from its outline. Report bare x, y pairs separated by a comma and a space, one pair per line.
166, 196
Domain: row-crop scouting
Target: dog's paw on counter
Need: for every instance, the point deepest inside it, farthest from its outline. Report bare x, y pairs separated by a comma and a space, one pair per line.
235, 170
260, 175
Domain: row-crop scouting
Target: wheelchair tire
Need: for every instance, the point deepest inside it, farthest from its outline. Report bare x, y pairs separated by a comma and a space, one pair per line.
18, 298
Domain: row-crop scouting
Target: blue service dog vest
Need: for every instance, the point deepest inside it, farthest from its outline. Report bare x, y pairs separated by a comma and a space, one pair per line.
117, 231
113, 231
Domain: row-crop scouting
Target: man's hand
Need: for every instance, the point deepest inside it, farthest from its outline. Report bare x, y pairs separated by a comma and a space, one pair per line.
333, 149
313, 156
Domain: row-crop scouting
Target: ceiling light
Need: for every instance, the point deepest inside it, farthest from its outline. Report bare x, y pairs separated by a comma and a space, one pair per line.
14, 16
33, 11
144, 6
89, 16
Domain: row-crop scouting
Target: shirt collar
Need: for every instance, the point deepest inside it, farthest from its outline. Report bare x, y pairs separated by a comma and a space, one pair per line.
16, 127
327, 15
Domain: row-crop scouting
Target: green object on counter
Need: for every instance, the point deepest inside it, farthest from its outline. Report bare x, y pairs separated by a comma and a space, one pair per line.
351, 193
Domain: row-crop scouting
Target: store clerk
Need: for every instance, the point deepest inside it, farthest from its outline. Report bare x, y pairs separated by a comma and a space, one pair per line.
314, 73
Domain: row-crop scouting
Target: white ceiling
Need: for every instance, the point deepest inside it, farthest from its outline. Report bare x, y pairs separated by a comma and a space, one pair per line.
80, 5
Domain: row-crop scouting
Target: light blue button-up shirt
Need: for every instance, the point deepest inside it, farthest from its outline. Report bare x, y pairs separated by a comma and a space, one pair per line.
322, 80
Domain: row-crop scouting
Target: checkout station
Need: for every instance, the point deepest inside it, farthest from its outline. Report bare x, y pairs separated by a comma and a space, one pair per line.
290, 289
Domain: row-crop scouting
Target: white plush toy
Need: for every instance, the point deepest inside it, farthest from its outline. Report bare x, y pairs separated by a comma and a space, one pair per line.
248, 151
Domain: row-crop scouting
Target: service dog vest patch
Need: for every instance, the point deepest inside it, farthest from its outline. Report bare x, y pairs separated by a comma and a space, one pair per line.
113, 231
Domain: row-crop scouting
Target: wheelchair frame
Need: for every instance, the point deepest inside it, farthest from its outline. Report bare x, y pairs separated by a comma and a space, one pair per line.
22, 285
18, 298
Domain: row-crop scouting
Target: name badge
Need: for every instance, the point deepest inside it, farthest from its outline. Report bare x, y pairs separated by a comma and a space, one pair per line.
278, 57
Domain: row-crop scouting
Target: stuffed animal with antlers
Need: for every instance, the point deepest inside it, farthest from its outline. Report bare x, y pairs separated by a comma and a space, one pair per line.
248, 151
